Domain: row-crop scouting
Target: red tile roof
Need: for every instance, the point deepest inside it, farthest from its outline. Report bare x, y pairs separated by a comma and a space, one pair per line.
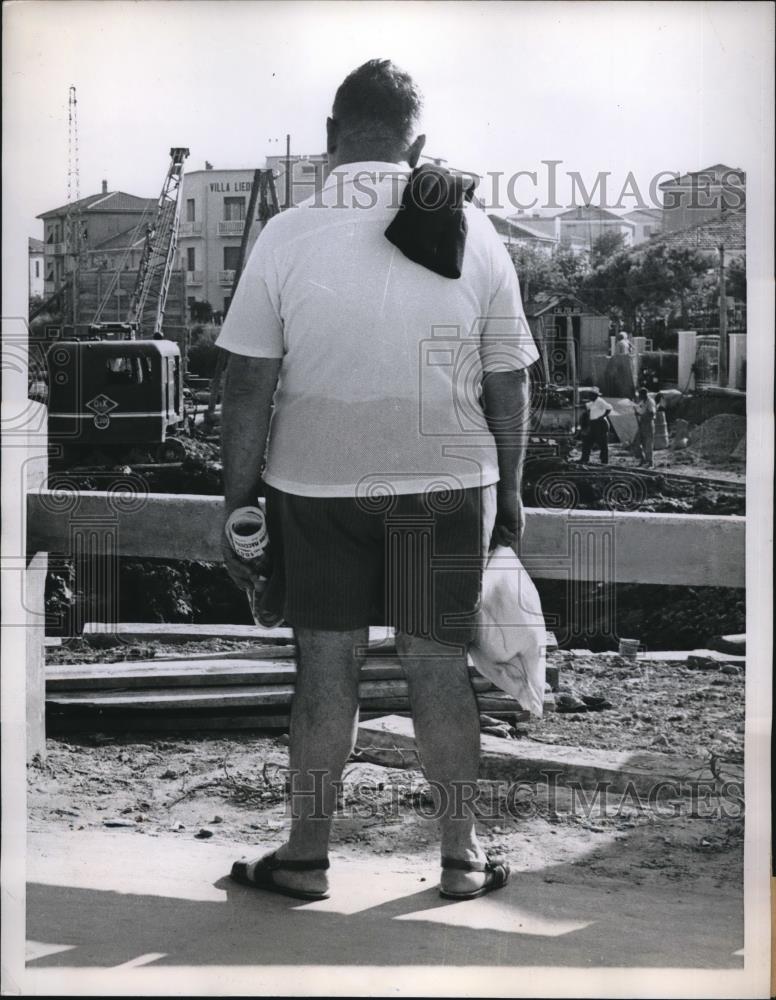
113, 201
729, 230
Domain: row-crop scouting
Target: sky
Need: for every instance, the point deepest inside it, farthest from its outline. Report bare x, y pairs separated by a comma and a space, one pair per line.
617, 87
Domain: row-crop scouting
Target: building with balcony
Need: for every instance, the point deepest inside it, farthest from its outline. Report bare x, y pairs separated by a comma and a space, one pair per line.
104, 224
212, 220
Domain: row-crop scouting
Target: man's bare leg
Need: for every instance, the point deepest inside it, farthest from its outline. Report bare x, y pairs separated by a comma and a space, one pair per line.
447, 732
324, 722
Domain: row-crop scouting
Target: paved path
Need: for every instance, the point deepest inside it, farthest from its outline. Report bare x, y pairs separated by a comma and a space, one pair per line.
107, 899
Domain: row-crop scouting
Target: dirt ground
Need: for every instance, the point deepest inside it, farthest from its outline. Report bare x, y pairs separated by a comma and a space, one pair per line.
231, 787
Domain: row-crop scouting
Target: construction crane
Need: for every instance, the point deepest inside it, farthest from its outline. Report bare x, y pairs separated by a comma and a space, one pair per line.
157, 262
107, 394
262, 191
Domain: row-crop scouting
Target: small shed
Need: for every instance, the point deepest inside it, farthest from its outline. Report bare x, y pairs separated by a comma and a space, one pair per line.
573, 338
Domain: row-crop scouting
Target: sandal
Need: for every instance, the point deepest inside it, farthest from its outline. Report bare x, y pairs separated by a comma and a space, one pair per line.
262, 875
496, 876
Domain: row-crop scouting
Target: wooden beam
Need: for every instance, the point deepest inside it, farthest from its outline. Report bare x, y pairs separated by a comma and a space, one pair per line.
217, 670
683, 549
99, 633
390, 741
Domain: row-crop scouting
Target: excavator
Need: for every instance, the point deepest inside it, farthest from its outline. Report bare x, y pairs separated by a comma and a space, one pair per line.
120, 387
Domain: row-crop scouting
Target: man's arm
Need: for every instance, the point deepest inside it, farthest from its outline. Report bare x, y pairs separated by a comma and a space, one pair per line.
247, 405
506, 403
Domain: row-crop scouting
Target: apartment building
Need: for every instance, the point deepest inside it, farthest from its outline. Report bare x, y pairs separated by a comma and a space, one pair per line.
213, 215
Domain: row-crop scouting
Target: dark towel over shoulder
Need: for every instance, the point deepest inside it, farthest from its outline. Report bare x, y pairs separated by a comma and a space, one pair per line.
430, 226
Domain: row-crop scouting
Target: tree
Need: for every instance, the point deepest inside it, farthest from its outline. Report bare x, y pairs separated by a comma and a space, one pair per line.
606, 246
641, 285
538, 272
736, 279
203, 353
201, 312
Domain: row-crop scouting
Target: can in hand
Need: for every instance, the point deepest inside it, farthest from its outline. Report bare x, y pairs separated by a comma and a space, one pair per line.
246, 529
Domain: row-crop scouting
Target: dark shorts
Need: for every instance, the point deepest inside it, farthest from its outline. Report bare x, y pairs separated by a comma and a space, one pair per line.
411, 561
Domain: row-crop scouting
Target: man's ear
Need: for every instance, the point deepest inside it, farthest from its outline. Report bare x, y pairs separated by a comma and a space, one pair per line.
414, 151
332, 136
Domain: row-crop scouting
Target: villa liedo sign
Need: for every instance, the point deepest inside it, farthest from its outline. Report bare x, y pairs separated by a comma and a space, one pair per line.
224, 187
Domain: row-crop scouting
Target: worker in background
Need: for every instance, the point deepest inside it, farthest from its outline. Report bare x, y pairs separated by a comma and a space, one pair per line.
644, 443
623, 344
595, 433
661, 423
376, 427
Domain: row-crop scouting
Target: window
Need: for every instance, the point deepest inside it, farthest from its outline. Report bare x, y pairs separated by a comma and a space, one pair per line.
227, 303
647, 231
37, 268
190, 300
231, 258
234, 209
191, 215
191, 258
128, 371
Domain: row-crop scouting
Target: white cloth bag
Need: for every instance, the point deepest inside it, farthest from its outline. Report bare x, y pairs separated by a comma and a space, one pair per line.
509, 643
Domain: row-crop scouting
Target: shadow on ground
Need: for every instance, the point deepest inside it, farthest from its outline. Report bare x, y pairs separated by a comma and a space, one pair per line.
169, 902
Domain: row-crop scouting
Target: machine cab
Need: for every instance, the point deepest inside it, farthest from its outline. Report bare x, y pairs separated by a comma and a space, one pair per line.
122, 392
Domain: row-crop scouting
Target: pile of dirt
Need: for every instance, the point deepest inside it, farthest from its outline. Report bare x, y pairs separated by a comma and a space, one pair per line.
719, 436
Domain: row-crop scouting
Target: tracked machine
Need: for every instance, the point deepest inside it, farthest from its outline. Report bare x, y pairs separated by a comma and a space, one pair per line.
119, 388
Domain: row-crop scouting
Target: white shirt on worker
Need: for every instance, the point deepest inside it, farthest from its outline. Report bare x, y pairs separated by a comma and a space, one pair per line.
382, 358
598, 408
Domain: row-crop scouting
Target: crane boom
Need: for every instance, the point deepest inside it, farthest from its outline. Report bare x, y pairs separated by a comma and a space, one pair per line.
158, 260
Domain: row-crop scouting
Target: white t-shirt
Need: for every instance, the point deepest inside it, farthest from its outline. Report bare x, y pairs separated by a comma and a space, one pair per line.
382, 358
598, 408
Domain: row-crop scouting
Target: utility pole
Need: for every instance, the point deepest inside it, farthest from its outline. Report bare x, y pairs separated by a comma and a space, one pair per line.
723, 337
288, 171
72, 226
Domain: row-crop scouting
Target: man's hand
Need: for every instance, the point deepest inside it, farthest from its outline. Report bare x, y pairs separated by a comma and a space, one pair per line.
510, 521
242, 573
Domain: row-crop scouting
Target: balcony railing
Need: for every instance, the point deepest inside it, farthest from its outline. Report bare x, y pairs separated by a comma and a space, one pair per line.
193, 277
231, 228
225, 277
189, 229
54, 249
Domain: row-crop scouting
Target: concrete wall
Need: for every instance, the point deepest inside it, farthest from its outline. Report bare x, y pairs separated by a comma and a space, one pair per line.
558, 544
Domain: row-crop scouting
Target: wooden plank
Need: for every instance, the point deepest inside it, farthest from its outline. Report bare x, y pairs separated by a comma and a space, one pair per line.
237, 696
164, 722
102, 633
381, 638
214, 670
558, 544
527, 760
